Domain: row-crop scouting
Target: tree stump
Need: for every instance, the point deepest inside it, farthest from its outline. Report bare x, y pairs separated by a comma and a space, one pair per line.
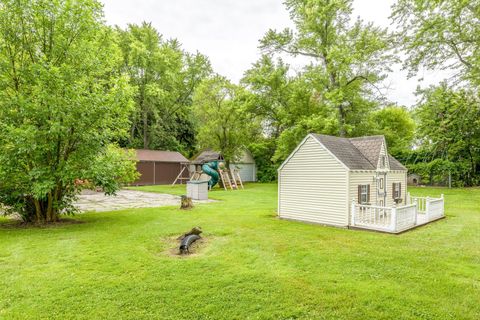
186, 203
195, 231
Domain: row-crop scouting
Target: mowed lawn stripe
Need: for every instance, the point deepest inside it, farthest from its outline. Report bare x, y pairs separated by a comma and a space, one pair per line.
251, 266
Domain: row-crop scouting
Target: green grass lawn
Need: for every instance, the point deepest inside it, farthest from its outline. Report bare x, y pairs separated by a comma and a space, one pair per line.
117, 265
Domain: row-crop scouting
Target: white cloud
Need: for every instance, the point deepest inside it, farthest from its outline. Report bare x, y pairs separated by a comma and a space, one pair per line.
227, 31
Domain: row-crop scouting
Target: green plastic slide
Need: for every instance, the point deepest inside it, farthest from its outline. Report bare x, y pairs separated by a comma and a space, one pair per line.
211, 168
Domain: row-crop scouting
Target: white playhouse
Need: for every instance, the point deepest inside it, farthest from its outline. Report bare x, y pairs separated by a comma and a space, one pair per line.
350, 182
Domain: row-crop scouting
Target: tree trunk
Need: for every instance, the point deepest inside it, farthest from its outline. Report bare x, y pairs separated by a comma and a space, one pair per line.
341, 121
38, 211
186, 203
145, 130
195, 231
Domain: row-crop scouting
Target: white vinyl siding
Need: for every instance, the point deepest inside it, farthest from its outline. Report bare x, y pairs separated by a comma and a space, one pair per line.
362, 178
396, 177
313, 186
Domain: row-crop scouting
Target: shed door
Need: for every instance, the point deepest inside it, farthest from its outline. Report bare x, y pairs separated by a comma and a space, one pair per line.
247, 171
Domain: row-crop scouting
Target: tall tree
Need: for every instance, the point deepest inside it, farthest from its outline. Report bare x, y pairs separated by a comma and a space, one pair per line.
349, 60
398, 127
280, 102
449, 128
165, 78
441, 34
222, 120
62, 103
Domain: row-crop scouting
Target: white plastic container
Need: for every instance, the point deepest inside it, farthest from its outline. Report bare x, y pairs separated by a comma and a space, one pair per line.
197, 190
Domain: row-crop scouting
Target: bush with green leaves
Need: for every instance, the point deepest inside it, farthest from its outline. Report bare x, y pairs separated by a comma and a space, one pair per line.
62, 103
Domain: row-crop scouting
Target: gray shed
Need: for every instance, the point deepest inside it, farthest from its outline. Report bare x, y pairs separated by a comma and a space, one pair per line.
245, 164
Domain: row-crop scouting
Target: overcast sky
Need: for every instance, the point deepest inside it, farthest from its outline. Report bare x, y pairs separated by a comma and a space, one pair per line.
227, 31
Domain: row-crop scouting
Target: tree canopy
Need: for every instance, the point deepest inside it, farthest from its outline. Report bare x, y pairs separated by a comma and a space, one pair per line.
449, 130
442, 34
348, 59
72, 90
164, 77
223, 123
62, 105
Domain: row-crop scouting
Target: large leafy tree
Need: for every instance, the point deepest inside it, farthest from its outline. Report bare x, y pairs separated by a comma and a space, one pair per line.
281, 101
441, 34
348, 60
449, 129
165, 78
223, 122
398, 127
61, 104
275, 98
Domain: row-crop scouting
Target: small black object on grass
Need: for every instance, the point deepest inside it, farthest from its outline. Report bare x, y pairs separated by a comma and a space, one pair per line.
187, 242
188, 239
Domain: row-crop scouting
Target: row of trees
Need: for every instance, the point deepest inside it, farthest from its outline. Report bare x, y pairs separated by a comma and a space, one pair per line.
444, 35
74, 92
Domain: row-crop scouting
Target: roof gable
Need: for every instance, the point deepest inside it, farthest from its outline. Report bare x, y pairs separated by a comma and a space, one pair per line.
320, 144
370, 147
362, 153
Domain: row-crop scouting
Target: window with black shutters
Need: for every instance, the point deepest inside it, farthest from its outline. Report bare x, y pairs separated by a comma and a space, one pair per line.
364, 193
396, 190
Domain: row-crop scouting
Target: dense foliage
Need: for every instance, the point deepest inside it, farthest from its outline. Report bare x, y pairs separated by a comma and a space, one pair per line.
444, 35
441, 34
165, 78
62, 104
449, 133
72, 89
223, 123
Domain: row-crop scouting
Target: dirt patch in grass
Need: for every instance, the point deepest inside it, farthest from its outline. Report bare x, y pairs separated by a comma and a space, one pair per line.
18, 224
173, 245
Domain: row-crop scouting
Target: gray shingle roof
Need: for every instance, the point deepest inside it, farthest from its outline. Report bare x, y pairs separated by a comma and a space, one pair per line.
395, 164
357, 153
207, 156
370, 147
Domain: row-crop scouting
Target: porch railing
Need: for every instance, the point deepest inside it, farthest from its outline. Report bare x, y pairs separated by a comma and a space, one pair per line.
396, 219
374, 217
390, 219
430, 208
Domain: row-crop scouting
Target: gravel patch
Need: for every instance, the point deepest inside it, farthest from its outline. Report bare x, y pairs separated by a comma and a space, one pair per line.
127, 199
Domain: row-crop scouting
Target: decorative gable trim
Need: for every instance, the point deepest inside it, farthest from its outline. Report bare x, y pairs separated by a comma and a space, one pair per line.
383, 156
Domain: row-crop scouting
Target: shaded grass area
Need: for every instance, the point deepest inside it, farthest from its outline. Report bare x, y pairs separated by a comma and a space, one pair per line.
253, 266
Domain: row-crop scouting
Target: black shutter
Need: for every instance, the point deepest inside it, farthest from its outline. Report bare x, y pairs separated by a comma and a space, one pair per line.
368, 193
399, 189
393, 190
359, 193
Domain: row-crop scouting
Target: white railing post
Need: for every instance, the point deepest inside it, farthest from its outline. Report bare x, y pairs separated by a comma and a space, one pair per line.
353, 212
443, 204
427, 208
393, 221
416, 210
